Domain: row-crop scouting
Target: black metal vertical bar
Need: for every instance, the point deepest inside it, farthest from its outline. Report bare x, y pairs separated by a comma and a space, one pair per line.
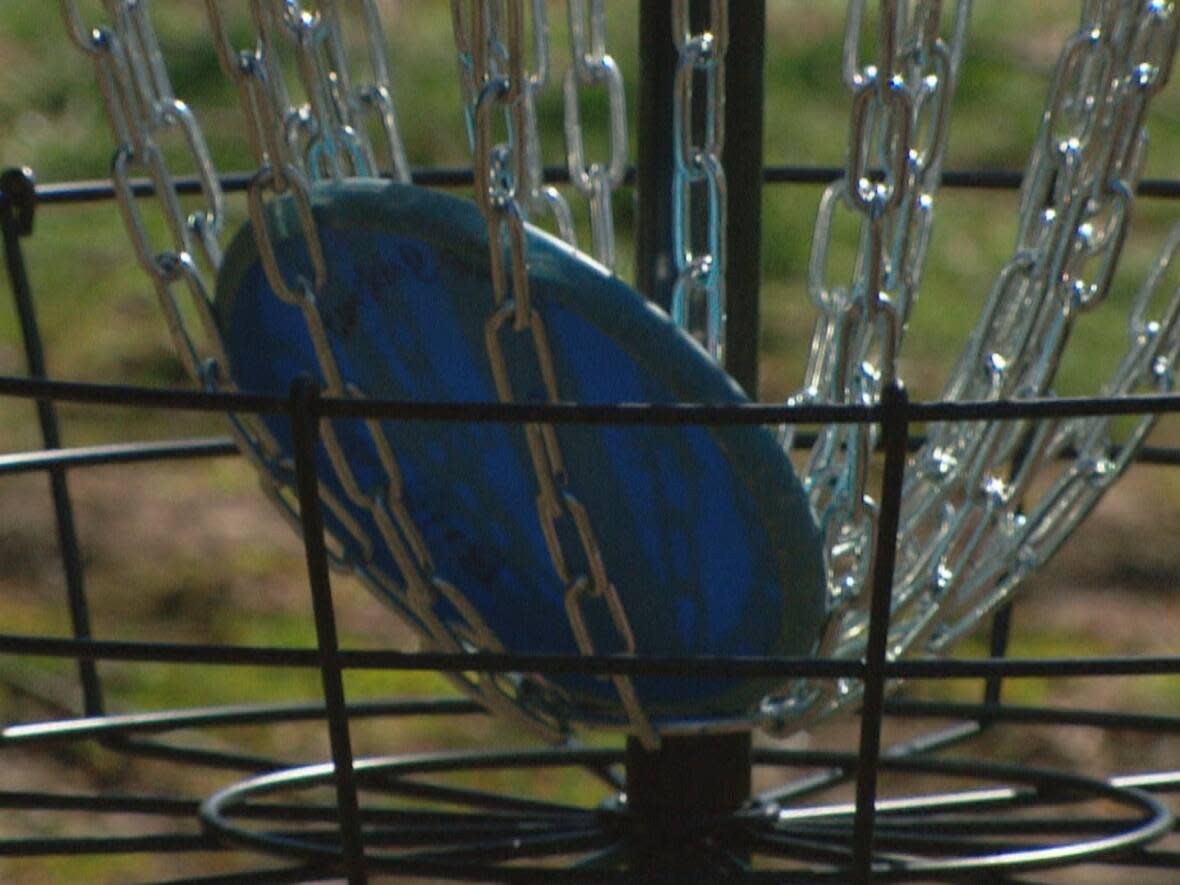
655, 266
743, 160
18, 200
1000, 634
689, 777
1001, 628
673, 791
895, 431
305, 395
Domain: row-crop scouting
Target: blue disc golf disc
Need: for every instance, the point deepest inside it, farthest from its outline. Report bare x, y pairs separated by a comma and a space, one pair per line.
705, 531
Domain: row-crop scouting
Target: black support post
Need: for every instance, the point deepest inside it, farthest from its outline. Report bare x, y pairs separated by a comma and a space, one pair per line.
698, 777
742, 158
677, 792
304, 415
18, 201
654, 265
894, 433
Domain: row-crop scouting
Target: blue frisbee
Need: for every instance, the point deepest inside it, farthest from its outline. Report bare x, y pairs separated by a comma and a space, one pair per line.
705, 532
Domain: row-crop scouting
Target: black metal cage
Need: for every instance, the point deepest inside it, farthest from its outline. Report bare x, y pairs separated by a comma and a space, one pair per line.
895, 804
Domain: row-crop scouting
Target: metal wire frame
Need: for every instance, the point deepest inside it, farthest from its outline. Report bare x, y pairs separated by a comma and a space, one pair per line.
970, 833
466, 834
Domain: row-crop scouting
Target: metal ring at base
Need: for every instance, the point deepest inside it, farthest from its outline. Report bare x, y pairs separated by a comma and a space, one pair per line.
421, 827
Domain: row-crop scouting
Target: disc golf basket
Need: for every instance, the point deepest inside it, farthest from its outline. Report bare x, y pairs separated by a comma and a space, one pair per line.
679, 619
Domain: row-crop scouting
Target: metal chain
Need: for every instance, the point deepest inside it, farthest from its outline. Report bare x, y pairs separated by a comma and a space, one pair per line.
142, 106
859, 320
858, 326
537, 198
503, 88
698, 183
930, 67
424, 588
897, 142
541, 199
331, 146
967, 542
591, 65
375, 98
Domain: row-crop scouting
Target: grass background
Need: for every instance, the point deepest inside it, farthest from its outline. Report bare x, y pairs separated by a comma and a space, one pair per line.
192, 552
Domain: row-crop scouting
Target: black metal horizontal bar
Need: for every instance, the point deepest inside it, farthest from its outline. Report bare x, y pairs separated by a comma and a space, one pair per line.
140, 452
414, 818
990, 824
1034, 715
922, 842
272, 656
455, 796
232, 715
153, 805
99, 845
971, 668
624, 414
510, 413
117, 453
639, 665
99, 190
304, 874
87, 393
971, 179
1161, 455
191, 757
488, 852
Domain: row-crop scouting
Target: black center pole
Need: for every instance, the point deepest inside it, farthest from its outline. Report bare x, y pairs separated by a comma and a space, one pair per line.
693, 780
678, 795
742, 159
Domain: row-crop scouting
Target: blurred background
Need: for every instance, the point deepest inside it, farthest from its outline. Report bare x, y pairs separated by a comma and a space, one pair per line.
192, 551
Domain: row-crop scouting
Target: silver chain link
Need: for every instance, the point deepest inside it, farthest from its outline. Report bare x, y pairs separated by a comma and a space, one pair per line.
375, 98
424, 588
965, 542
141, 106
513, 313
897, 141
968, 540
592, 66
538, 199
698, 182
855, 343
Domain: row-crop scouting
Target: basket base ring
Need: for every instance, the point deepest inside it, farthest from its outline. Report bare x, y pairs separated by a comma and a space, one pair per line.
1008, 819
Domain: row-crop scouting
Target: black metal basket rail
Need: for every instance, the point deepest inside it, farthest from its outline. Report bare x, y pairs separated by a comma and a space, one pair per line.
389, 815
